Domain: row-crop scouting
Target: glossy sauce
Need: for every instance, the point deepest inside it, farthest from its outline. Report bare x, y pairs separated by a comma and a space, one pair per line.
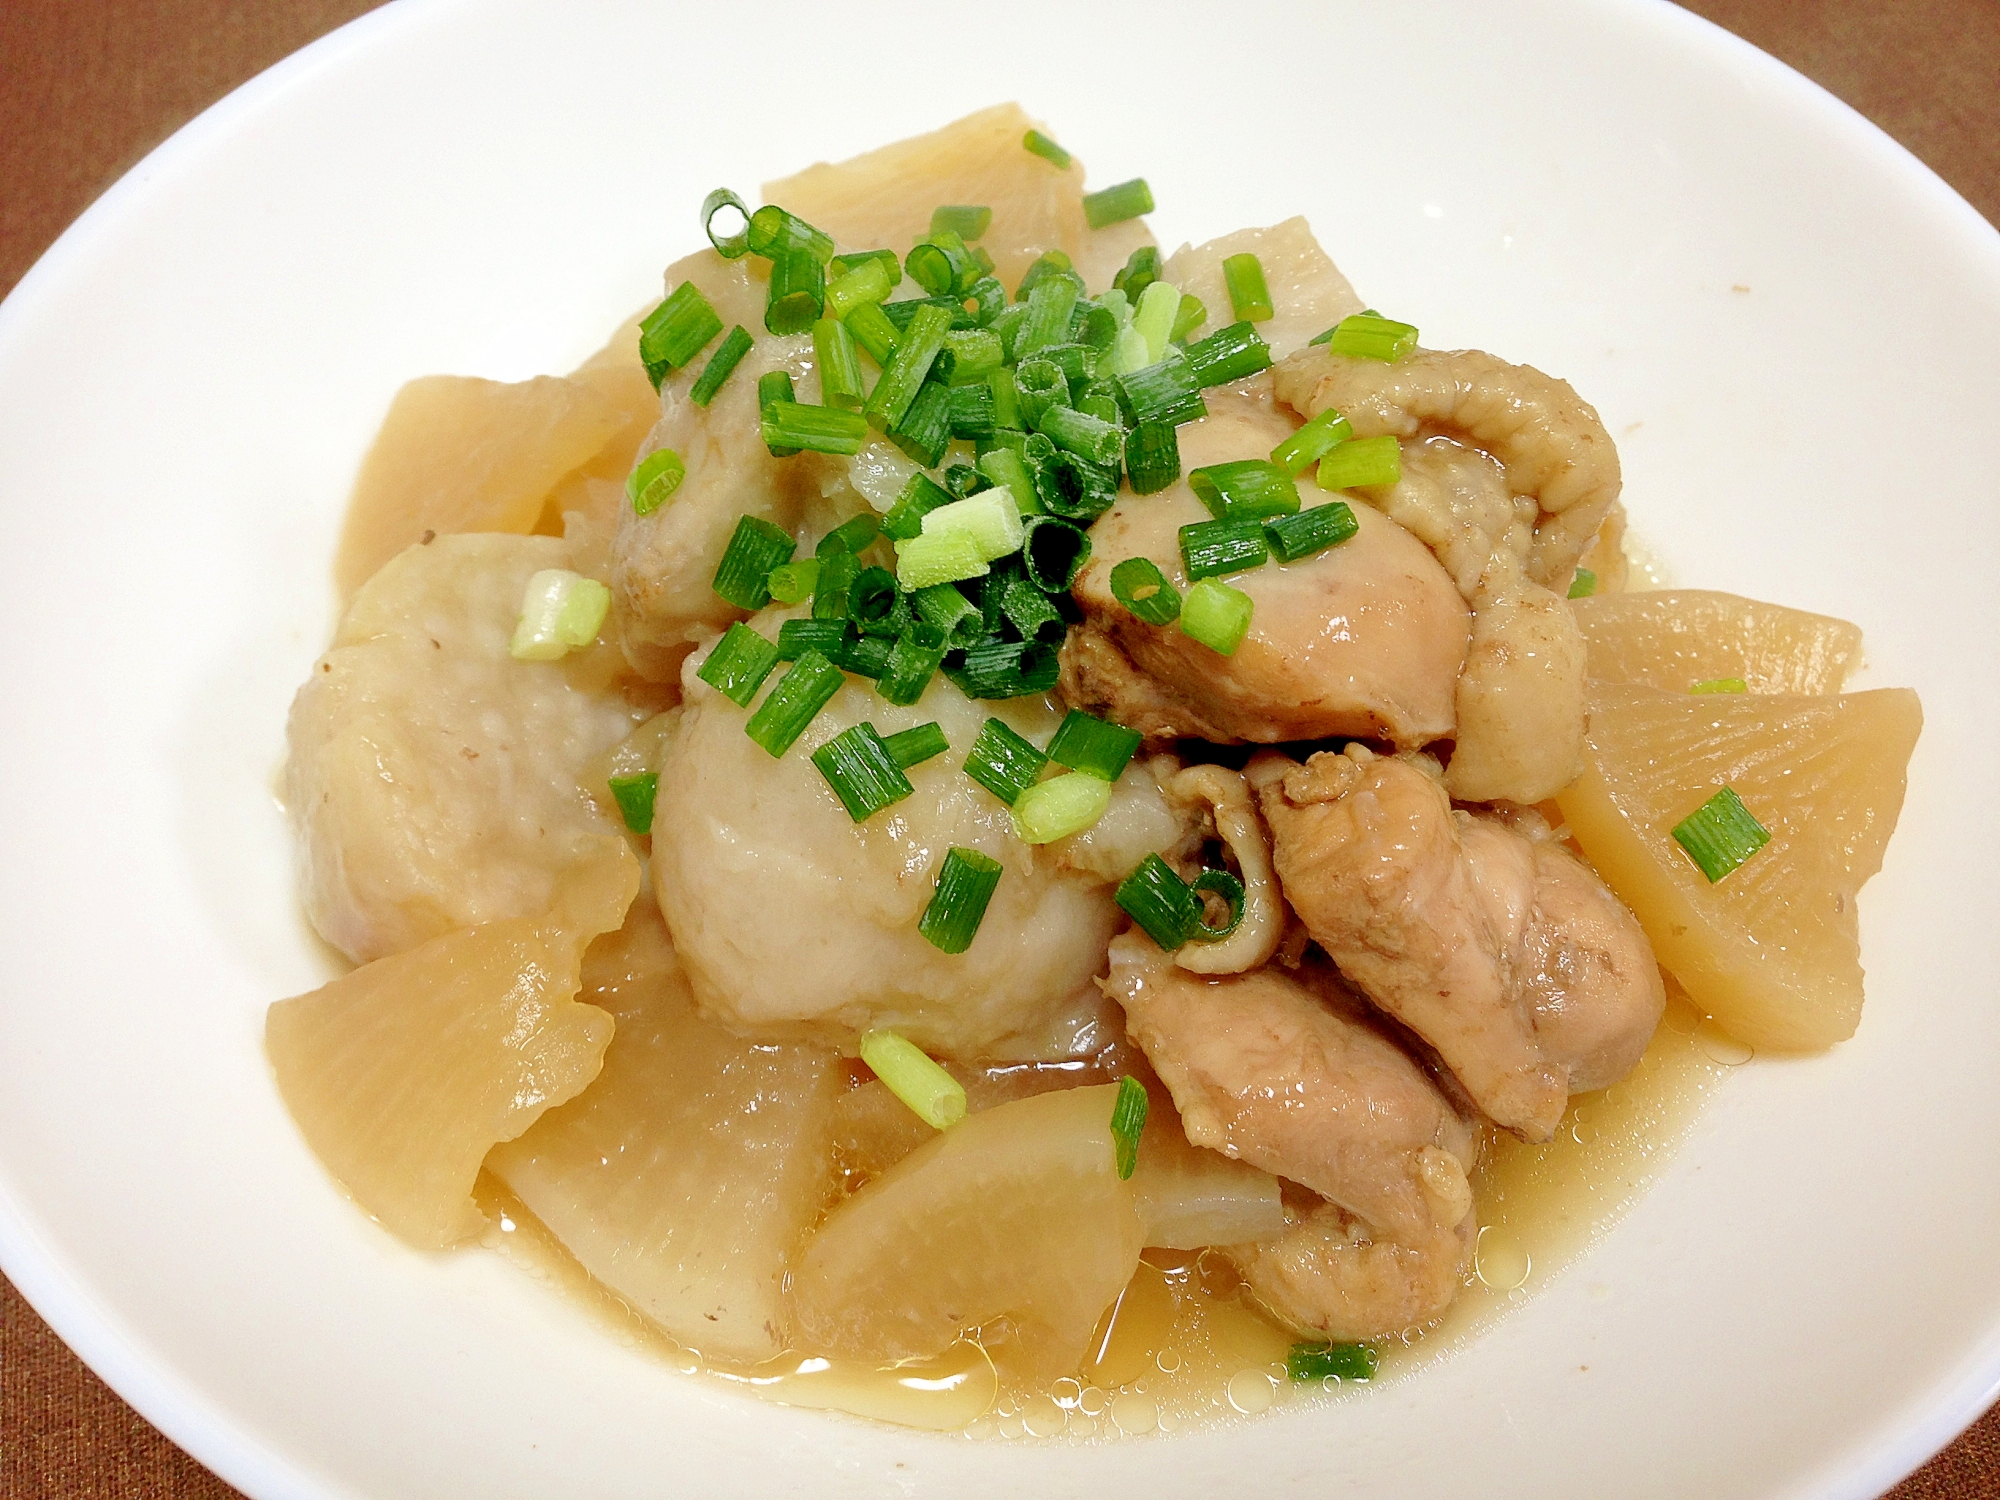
1184, 1347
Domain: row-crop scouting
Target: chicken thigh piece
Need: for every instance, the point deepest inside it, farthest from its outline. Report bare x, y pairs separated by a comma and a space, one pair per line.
1366, 638
1503, 953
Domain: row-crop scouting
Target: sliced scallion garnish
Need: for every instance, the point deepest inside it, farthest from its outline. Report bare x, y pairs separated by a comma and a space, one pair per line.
1006, 669
1371, 337
1101, 443
1152, 457
1210, 549
837, 572
1114, 205
925, 430
1163, 392
1249, 297
1139, 585
904, 373
939, 557
1362, 462
738, 664
1141, 270
1310, 531
1003, 762
1009, 471
653, 482
990, 519
773, 233
721, 365
945, 609
1094, 746
1073, 487
795, 425
792, 705
972, 412
1050, 303
797, 294
932, 1094
1230, 889
852, 535
1193, 313
965, 885
1232, 353
967, 221
1128, 1123
1583, 584
1062, 805
920, 496
755, 548
635, 796
864, 655
876, 605
873, 331
840, 380
676, 331
1251, 487
1045, 148
867, 282
1054, 553
913, 660
892, 267
827, 637
728, 246
861, 771
1153, 317
912, 747
560, 611
1338, 1361
1162, 903
1311, 442
1216, 615
1721, 834
774, 386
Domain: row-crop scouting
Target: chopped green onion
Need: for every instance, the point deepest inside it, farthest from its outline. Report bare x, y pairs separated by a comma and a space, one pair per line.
991, 592
1162, 903
953, 615
1049, 263
654, 481
1583, 585
1244, 487
1116, 204
1054, 553
964, 885
775, 233
867, 282
904, 373
1210, 549
1193, 313
1310, 531
721, 365
1152, 457
560, 611
1371, 337
840, 380
1099, 399
1163, 392
635, 796
862, 772
728, 246
972, 412
876, 605
790, 706
676, 331
1045, 148
1141, 270
866, 655
1230, 889
941, 265
1009, 471
852, 535
903, 312
1094, 746
793, 425
1006, 399
932, 1094
1153, 317
921, 495
1062, 805
738, 664
827, 637
772, 387
1028, 610
1216, 615
925, 431
837, 571
1341, 1361
1249, 297
1099, 330
1365, 461
891, 266
1102, 443
1049, 306
1231, 353
1311, 442
1006, 669
1721, 685
941, 557
989, 299
913, 660
1128, 1123
1720, 834
873, 331
756, 547
1076, 361
912, 747
1139, 585
797, 294
975, 353
966, 221
1039, 384
990, 518
1074, 488
1003, 762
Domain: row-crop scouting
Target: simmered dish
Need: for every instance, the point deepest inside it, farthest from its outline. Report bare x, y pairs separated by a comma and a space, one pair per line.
975, 808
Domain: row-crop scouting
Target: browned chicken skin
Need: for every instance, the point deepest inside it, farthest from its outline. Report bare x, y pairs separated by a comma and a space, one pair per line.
1506, 955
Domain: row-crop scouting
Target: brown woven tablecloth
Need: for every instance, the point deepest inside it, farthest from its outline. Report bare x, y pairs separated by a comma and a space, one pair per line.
89, 86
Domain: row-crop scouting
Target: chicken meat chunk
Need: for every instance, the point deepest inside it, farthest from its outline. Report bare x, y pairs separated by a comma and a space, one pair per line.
1363, 639
433, 781
1501, 951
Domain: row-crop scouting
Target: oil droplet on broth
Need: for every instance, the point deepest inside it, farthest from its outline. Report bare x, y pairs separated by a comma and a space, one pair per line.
1184, 1346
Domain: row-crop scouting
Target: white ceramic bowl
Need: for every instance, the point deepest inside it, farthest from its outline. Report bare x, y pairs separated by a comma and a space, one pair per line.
1790, 326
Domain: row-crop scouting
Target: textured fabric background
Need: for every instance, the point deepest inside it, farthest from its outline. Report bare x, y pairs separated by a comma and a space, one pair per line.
87, 87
